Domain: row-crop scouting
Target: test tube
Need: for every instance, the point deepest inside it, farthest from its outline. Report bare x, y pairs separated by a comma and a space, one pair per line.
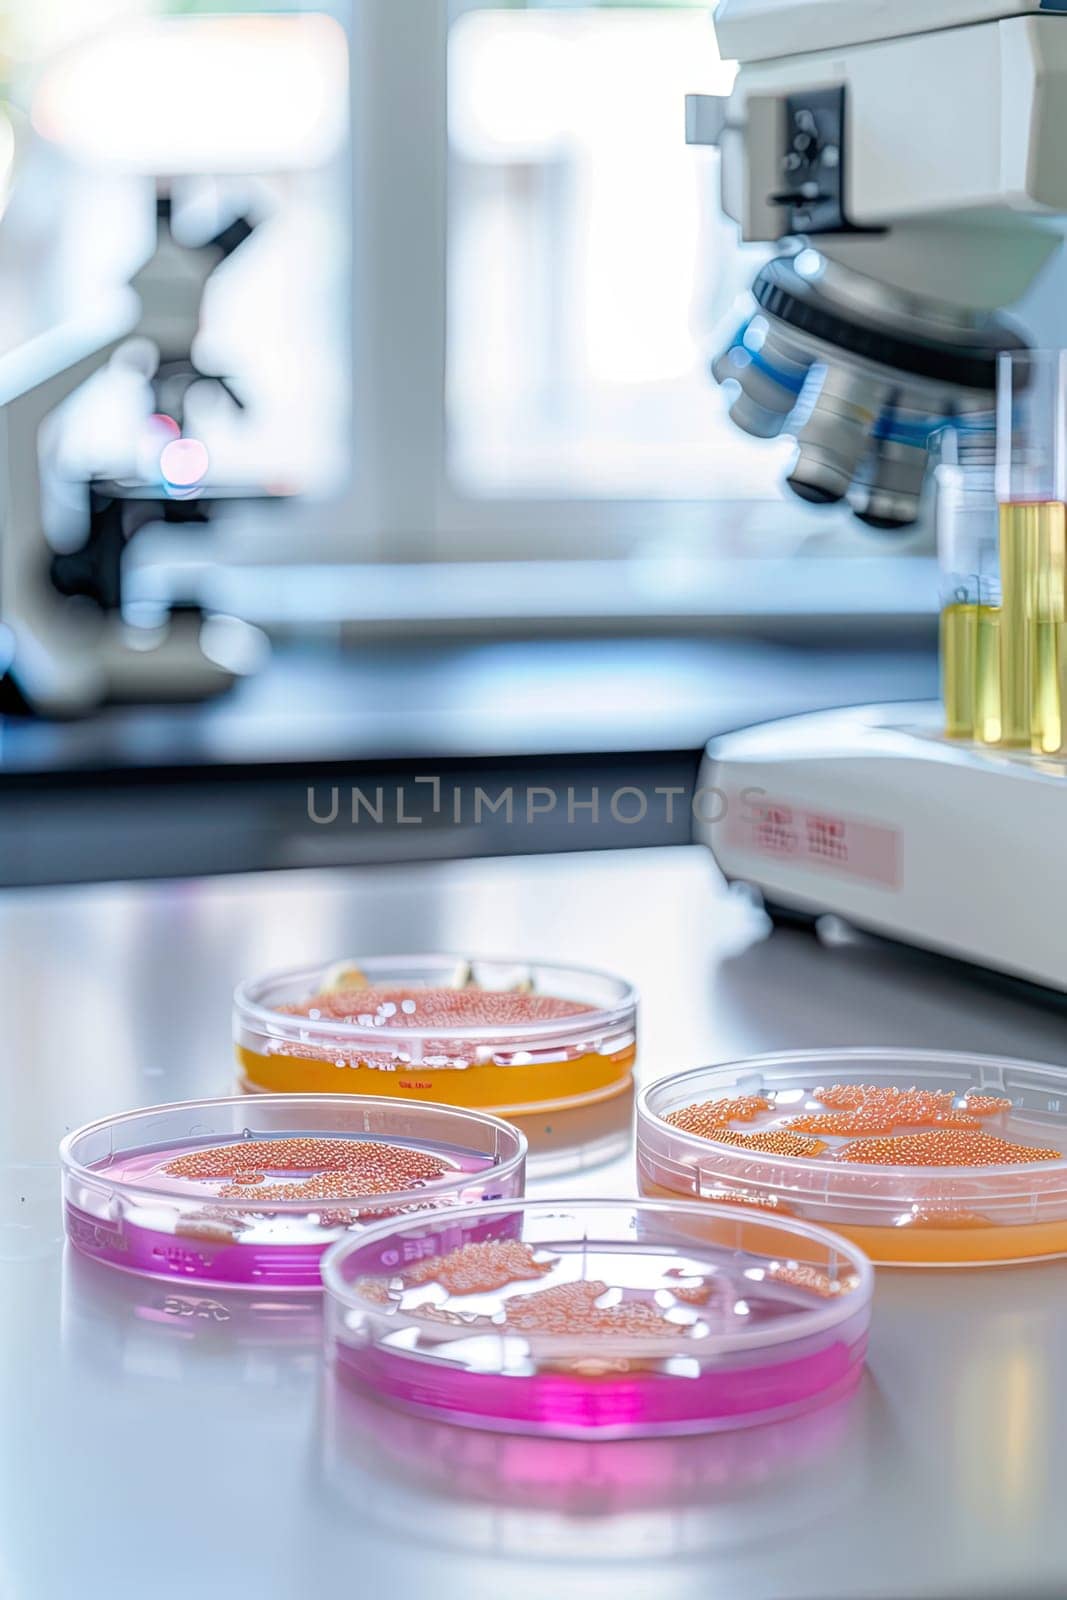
1031, 481
969, 561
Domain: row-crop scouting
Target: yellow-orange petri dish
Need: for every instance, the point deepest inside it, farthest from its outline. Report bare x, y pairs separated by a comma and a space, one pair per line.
922, 1158
506, 1036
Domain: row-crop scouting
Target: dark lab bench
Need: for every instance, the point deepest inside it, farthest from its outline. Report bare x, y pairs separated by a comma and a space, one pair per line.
408, 752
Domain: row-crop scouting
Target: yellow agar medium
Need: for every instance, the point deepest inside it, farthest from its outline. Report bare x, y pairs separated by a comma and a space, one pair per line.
540, 1085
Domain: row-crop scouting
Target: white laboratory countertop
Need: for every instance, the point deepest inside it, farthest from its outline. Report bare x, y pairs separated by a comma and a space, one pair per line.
172, 1445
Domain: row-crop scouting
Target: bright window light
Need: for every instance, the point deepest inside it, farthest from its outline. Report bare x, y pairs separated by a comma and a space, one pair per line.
200, 94
588, 260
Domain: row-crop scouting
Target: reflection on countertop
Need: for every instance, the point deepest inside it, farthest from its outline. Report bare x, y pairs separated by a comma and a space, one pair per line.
573, 1140
463, 1488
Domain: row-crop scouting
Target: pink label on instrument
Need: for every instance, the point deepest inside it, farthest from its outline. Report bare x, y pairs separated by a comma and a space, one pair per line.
851, 846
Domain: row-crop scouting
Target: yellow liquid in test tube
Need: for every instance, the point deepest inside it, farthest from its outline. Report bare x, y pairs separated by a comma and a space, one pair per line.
970, 671
1050, 600
1033, 572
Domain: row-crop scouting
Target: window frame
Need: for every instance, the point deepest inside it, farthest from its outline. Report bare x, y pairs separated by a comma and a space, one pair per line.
404, 501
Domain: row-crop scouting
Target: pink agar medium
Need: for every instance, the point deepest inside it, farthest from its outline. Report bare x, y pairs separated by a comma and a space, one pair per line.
566, 1323
541, 1471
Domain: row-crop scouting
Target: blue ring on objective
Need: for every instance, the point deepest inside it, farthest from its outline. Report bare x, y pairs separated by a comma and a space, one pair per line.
898, 431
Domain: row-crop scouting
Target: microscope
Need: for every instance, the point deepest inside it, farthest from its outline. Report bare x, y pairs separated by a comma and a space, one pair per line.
908, 158
70, 644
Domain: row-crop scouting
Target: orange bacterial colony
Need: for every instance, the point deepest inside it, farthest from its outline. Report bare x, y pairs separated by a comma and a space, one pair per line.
571, 1308
806, 1277
775, 1142
863, 1129
866, 1116
481, 1267
864, 1120
986, 1105
712, 1114
944, 1147
338, 1169
436, 1008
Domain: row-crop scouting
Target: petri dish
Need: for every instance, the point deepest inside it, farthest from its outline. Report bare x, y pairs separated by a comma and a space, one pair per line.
250, 1193
923, 1158
504, 1036
598, 1318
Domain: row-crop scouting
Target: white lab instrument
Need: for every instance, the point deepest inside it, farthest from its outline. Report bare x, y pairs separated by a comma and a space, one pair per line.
909, 156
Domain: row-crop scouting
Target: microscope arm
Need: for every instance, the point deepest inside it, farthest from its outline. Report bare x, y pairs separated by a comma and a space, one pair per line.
34, 380
70, 658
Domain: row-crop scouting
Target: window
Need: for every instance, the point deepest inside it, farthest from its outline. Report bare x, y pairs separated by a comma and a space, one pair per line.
240, 112
488, 288
588, 261
591, 276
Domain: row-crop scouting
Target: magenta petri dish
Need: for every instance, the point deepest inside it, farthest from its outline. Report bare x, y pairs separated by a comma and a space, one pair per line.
598, 1318
249, 1193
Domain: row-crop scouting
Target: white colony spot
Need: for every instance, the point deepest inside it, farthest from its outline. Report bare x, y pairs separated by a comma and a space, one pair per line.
387, 1008
408, 1006
742, 1308
314, 1014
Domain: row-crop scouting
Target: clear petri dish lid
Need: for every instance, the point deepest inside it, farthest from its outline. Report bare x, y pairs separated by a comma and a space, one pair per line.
864, 1133
250, 1192
587, 1317
496, 1034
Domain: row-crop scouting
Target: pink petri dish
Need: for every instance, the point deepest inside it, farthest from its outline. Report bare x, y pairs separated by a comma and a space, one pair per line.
249, 1193
598, 1318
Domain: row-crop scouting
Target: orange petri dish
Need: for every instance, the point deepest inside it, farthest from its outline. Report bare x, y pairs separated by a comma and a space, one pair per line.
506, 1036
922, 1158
